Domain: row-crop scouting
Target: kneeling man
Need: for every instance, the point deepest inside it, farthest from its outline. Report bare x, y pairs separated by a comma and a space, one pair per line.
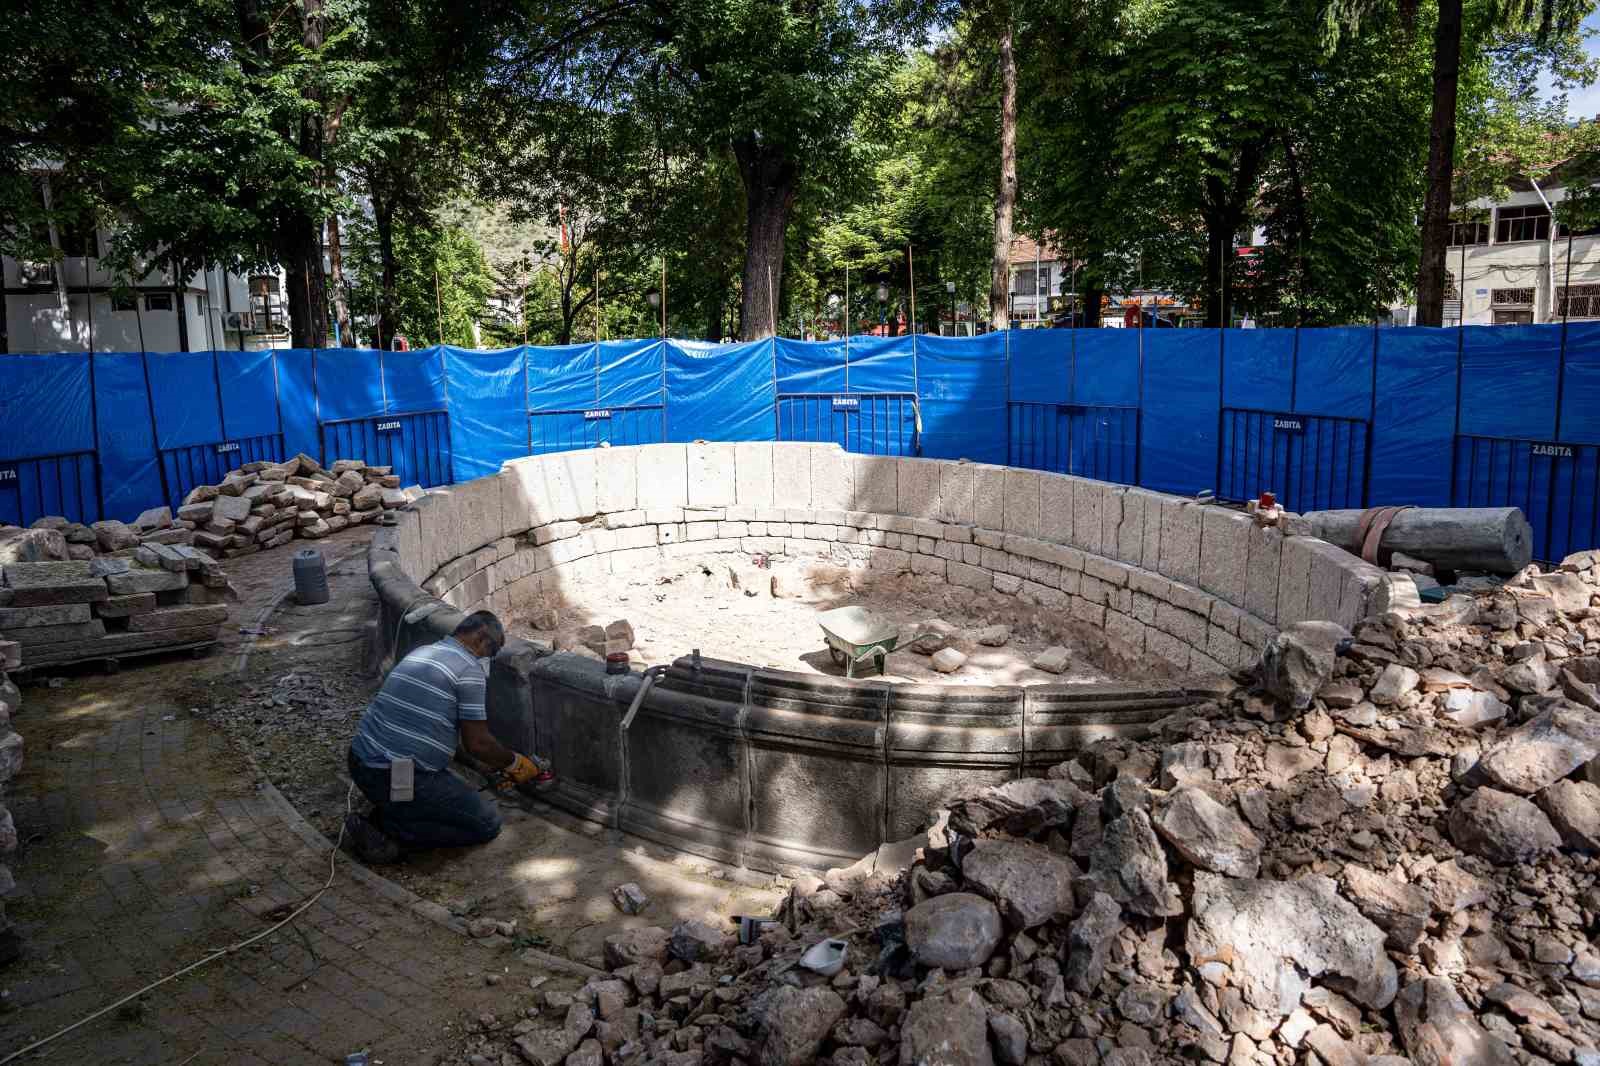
408, 734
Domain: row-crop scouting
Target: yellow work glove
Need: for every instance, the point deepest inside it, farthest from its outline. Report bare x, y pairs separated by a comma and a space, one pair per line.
522, 770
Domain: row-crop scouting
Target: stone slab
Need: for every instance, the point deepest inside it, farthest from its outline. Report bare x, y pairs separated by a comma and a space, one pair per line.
34, 584
711, 475
1180, 541
917, 491
663, 472
877, 484
1055, 508
53, 614
123, 606
1088, 497
791, 475
752, 474
1022, 502
136, 580
1224, 552
117, 644
1263, 556
989, 496
956, 485
1294, 580
34, 635
832, 479
186, 617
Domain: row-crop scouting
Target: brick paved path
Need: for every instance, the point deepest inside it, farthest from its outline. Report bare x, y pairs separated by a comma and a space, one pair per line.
152, 843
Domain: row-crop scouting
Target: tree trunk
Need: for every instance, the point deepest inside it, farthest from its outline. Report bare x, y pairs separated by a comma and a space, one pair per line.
714, 305
1092, 292
1441, 165
770, 178
341, 307
300, 233
1005, 200
1220, 228
383, 225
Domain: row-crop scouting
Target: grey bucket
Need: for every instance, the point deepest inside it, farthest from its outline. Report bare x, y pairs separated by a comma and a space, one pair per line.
310, 576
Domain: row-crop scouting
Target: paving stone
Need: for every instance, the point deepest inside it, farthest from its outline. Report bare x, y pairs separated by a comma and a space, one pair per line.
36, 584
145, 581
43, 615
178, 618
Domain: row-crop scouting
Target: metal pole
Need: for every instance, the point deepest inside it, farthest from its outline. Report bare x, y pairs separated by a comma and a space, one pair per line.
438, 304
847, 325
772, 305
911, 274
524, 309
1566, 313
597, 304
664, 295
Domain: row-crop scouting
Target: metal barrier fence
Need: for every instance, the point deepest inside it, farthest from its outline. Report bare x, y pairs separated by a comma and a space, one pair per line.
555, 431
874, 423
66, 484
1098, 441
1311, 462
184, 467
415, 443
1556, 484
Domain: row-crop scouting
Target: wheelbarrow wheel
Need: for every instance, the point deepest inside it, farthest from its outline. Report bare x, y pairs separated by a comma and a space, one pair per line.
839, 657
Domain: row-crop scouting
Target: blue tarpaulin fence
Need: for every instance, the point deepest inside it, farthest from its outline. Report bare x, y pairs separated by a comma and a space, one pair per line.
1324, 417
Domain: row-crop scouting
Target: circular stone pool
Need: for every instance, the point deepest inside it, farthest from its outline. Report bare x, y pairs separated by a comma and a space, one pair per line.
756, 752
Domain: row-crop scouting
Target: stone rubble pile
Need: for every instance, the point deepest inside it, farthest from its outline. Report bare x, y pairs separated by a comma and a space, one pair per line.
259, 505
168, 595
1378, 849
10, 766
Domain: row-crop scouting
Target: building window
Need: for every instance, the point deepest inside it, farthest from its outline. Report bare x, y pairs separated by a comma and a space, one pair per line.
158, 301
1530, 223
1469, 233
1511, 297
1511, 307
124, 302
1578, 301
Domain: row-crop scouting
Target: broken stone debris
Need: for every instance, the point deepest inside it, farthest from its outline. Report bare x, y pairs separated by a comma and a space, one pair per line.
1369, 879
258, 506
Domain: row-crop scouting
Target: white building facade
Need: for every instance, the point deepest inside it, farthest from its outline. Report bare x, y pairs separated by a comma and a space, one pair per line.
1509, 262
73, 303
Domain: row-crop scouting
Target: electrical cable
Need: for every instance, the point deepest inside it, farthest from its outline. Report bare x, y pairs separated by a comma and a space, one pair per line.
349, 806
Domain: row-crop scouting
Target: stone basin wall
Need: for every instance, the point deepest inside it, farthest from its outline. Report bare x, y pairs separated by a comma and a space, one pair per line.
777, 770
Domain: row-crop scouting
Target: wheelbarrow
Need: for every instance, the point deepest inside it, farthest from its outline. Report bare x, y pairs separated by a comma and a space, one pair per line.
855, 633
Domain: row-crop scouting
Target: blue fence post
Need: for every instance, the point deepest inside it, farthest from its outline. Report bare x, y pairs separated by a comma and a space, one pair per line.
155, 428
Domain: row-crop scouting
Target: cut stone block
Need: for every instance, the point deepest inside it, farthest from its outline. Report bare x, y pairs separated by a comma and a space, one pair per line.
53, 614
145, 581
34, 635
1088, 497
663, 476
1022, 502
956, 481
752, 474
117, 644
1263, 557
33, 584
616, 482
153, 519
1224, 552
1055, 508
229, 508
917, 488
125, 606
832, 478
178, 618
791, 475
1180, 541
989, 497
711, 475
877, 484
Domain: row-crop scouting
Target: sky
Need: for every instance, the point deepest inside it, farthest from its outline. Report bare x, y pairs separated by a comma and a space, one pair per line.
1585, 102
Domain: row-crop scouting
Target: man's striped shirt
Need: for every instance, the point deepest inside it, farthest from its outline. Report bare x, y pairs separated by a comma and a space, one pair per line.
415, 713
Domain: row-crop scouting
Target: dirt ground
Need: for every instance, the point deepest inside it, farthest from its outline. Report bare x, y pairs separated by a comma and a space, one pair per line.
728, 610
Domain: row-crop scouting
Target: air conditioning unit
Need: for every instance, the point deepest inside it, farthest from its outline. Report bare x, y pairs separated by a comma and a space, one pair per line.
36, 273
238, 321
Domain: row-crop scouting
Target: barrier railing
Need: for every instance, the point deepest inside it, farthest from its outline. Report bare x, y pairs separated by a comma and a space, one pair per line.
1098, 441
66, 484
874, 423
1311, 462
555, 431
415, 443
184, 467
1556, 483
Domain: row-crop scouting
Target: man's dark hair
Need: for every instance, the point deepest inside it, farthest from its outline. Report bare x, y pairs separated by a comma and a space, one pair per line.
485, 623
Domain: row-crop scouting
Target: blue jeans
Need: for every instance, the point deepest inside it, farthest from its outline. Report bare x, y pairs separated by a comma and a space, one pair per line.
445, 812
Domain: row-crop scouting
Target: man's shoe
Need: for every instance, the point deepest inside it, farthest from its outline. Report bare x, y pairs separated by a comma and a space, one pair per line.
367, 842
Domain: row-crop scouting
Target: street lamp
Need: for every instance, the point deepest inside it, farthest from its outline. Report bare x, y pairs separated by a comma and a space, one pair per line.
950, 288
883, 308
652, 297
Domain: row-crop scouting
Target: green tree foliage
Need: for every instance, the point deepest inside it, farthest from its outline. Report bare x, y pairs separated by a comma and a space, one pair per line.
441, 283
